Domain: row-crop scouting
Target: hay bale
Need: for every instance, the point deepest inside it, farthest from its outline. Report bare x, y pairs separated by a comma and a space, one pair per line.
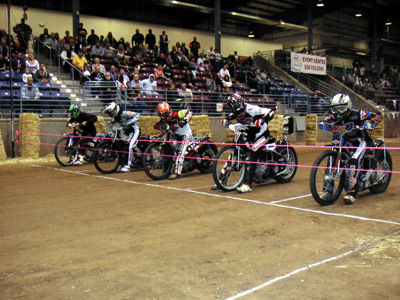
101, 125
147, 123
3, 155
29, 142
276, 127
379, 131
200, 125
311, 129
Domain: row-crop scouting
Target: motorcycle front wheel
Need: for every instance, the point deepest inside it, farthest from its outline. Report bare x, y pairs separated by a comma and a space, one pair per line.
157, 160
326, 180
106, 157
64, 153
228, 169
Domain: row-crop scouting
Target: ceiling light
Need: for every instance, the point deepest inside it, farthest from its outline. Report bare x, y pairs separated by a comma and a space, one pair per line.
251, 34
233, 13
320, 3
388, 22
358, 15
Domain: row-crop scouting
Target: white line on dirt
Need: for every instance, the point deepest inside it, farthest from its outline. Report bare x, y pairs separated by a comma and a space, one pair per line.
288, 199
274, 203
256, 288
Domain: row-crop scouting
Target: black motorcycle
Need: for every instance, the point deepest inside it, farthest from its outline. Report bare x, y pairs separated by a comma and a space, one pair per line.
160, 155
278, 161
331, 172
66, 149
112, 153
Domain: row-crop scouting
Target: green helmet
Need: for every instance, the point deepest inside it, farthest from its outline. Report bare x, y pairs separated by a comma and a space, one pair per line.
74, 110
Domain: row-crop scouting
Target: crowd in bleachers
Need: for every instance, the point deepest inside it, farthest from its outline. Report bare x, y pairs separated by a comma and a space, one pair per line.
382, 88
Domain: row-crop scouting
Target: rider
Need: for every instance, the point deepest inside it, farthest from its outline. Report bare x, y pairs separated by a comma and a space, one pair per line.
86, 124
128, 121
258, 134
341, 114
178, 121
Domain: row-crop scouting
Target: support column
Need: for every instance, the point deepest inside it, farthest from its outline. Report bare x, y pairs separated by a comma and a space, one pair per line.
310, 24
217, 21
374, 43
75, 16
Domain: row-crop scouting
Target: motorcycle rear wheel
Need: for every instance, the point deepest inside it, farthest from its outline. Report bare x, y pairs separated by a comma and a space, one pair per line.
106, 157
158, 160
291, 157
384, 166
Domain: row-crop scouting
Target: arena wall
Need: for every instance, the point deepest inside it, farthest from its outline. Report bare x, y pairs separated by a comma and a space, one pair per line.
60, 22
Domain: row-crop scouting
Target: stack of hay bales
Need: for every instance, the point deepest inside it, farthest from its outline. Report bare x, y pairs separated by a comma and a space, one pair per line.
101, 125
3, 155
379, 131
147, 125
276, 127
200, 125
29, 142
311, 129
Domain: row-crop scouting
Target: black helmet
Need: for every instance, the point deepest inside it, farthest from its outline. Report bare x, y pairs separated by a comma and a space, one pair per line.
235, 103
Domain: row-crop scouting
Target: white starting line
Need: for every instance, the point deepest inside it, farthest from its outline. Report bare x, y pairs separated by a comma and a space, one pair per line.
272, 203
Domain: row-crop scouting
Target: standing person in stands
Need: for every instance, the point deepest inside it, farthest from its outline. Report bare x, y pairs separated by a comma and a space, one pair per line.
92, 38
42, 75
137, 39
151, 42
82, 33
79, 61
110, 39
23, 32
164, 42
194, 48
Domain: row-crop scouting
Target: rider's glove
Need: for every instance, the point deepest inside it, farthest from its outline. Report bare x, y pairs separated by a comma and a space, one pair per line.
368, 126
259, 122
84, 123
224, 122
321, 125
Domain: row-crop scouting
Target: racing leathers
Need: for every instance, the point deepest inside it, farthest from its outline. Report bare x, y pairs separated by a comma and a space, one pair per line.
178, 121
258, 134
128, 120
358, 138
86, 125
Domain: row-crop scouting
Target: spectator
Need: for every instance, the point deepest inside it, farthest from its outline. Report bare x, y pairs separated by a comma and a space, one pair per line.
45, 35
137, 62
109, 51
224, 71
184, 50
23, 32
227, 83
164, 42
92, 38
192, 64
167, 73
137, 84
121, 42
18, 64
137, 39
96, 62
124, 75
31, 63
102, 42
82, 33
67, 55
183, 64
139, 50
356, 64
97, 50
52, 42
109, 88
149, 85
194, 48
201, 59
111, 40
210, 83
188, 78
186, 94
159, 73
120, 51
4, 50
3, 63
26, 75
30, 93
113, 72
132, 95
42, 75
251, 79
79, 61
16, 48
151, 42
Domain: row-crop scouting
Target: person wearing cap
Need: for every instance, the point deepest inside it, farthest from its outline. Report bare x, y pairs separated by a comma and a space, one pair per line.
149, 85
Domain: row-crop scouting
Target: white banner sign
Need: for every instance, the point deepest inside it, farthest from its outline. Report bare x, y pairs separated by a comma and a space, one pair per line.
305, 63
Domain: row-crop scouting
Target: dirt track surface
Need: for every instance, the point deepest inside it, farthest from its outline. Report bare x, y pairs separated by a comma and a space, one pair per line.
74, 233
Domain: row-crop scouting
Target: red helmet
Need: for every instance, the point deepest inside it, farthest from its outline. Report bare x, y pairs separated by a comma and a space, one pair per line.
164, 110
235, 103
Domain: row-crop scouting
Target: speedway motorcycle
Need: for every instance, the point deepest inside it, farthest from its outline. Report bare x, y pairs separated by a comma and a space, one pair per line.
278, 161
112, 153
331, 170
160, 155
66, 149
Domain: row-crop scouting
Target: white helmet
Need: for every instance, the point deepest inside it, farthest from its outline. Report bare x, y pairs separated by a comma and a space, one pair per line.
340, 105
112, 109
